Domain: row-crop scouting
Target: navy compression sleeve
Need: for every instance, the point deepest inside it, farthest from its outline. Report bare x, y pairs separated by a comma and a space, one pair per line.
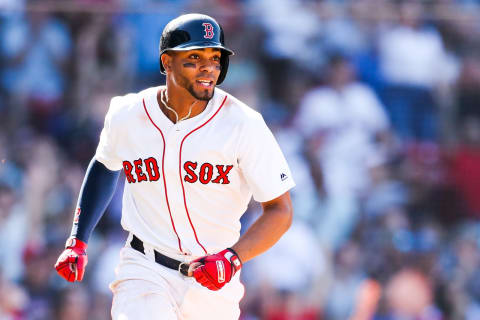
96, 193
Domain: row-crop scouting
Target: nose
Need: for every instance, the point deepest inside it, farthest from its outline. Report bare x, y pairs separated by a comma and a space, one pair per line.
207, 65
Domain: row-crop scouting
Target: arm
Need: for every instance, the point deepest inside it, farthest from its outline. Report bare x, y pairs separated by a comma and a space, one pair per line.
267, 175
267, 230
95, 194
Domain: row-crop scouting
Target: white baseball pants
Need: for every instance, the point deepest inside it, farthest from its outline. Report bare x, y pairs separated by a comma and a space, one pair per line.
146, 290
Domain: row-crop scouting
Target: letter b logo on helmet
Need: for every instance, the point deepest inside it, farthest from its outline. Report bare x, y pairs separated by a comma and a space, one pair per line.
208, 30
195, 31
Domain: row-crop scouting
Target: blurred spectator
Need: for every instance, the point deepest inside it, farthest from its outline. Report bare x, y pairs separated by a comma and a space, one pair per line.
409, 296
286, 292
294, 252
72, 304
465, 165
9, 6
38, 264
105, 66
145, 31
384, 192
385, 208
291, 141
13, 299
35, 49
413, 62
367, 299
289, 28
347, 280
285, 305
468, 91
13, 227
343, 124
348, 31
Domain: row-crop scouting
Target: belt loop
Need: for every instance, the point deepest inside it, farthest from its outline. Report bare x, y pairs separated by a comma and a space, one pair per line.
149, 251
129, 239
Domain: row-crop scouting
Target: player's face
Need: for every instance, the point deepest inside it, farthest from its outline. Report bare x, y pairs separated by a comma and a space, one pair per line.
197, 71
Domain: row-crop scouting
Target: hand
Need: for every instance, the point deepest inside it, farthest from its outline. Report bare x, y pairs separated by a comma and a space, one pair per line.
217, 269
73, 260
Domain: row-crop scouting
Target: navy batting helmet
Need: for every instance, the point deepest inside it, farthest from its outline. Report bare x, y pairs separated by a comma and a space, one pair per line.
195, 31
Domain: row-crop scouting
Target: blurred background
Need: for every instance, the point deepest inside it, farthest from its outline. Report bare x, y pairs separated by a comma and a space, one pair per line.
375, 103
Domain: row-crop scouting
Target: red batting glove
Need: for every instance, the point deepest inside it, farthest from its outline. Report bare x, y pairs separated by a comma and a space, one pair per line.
73, 260
217, 269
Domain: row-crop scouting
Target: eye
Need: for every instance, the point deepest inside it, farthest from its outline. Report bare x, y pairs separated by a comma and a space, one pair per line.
216, 58
194, 56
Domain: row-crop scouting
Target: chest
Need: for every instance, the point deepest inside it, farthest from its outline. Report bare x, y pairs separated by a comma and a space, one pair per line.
203, 154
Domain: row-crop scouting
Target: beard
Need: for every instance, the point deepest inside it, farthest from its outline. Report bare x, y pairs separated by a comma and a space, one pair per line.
204, 95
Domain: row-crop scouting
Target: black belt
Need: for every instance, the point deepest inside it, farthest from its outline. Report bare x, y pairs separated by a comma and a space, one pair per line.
168, 262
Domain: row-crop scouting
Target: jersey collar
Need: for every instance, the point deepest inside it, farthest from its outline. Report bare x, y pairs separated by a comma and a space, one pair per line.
162, 120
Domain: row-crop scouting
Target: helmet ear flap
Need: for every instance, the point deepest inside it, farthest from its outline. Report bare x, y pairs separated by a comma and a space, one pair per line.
224, 61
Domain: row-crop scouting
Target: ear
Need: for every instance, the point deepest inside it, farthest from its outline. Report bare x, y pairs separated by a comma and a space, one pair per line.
166, 60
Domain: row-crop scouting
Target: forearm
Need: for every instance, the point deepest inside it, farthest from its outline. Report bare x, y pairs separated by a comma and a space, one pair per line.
267, 229
95, 194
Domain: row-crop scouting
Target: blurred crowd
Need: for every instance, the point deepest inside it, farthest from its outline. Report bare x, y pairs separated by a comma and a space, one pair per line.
375, 103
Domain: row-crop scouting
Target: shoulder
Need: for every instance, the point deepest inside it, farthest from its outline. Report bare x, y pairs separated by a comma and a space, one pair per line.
122, 107
360, 88
236, 110
316, 95
362, 92
317, 102
120, 104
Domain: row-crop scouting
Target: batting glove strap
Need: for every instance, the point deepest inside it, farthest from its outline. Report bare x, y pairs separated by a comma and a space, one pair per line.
234, 259
75, 243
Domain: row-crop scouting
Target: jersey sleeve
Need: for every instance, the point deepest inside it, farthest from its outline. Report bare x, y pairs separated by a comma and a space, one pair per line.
262, 162
107, 149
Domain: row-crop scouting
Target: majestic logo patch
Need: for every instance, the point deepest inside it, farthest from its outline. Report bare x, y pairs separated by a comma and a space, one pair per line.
221, 271
208, 30
283, 177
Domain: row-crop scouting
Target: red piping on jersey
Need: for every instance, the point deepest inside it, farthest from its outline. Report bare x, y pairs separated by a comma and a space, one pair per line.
180, 171
163, 174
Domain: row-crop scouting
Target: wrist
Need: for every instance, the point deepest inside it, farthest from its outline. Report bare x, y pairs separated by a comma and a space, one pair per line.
73, 242
234, 259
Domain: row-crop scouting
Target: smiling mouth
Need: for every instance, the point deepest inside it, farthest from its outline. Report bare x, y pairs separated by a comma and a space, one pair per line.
205, 83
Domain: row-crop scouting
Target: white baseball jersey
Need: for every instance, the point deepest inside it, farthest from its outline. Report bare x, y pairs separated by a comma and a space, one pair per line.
188, 184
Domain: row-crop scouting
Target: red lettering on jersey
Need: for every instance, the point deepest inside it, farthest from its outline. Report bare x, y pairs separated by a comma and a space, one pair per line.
191, 176
206, 172
208, 30
127, 168
138, 170
222, 175
152, 169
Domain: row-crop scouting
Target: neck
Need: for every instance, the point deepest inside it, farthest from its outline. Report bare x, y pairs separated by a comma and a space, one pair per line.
180, 100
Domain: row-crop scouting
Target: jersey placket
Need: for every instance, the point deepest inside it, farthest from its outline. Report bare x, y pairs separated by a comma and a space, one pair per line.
163, 126
172, 142
190, 128
183, 220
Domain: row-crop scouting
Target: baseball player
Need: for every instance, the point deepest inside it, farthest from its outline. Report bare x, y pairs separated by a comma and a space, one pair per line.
193, 156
